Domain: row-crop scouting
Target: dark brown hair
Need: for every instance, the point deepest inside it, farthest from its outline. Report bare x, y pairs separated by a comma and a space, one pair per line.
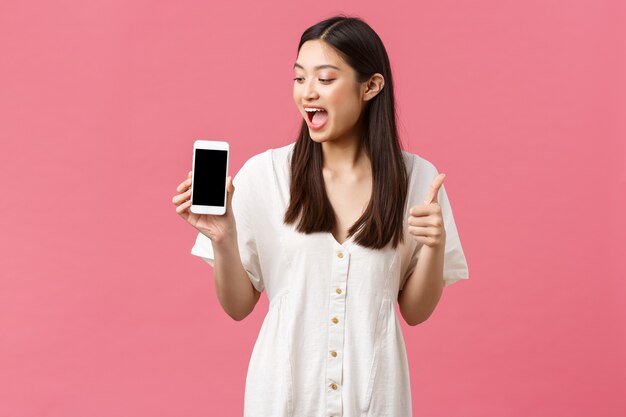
382, 220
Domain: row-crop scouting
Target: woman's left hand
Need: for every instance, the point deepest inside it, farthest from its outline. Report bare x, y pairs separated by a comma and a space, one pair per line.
425, 220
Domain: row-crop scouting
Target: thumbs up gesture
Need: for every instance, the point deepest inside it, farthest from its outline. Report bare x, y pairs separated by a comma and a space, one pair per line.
425, 220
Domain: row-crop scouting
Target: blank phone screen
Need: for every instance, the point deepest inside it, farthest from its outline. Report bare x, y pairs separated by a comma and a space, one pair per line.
209, 178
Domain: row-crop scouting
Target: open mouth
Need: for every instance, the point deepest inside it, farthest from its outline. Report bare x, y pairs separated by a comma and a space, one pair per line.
317, 117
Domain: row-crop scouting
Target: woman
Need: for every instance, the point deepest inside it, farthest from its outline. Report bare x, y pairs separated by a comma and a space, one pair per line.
338, 227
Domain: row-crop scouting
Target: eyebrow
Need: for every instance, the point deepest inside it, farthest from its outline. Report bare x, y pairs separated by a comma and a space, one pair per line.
318, 67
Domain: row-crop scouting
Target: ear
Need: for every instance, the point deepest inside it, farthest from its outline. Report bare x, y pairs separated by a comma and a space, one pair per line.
373, 86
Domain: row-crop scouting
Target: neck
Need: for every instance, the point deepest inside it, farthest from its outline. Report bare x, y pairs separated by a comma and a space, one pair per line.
345, 156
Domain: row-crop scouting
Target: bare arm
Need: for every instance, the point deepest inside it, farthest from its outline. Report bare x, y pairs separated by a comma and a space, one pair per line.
235, 292
234, 289
422, 290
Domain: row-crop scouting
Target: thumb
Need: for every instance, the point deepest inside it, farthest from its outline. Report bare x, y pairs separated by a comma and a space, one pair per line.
231, 190
434, 189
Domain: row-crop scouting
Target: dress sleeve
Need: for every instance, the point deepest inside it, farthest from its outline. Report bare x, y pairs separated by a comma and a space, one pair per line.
454, 264
246, 239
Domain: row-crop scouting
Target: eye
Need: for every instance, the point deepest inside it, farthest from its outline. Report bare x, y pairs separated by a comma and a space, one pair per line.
322, 80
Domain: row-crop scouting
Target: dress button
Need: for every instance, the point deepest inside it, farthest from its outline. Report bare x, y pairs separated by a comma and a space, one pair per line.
339, 254
333, 353
333, 386
338, 290
335, 320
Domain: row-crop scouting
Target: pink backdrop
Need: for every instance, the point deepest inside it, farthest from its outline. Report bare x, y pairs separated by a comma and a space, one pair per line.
103, 310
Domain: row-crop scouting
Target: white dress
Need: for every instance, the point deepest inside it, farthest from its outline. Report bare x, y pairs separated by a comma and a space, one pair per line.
331, 342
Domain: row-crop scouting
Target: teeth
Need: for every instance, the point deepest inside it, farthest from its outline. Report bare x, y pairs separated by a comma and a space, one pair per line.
313, 110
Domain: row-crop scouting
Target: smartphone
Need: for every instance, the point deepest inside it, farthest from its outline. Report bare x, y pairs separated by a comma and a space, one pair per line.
208, 177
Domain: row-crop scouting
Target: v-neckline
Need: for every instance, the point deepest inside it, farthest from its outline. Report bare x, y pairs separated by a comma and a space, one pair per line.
346, 243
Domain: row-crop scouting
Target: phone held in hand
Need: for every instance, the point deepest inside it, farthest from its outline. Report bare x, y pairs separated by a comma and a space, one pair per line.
208, 177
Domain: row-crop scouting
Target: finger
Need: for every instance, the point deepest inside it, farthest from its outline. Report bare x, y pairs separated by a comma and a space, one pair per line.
420, 231
179, 198
231, 188
184, 185
420, 210
189, 175
431, 197
183, 207
418, 221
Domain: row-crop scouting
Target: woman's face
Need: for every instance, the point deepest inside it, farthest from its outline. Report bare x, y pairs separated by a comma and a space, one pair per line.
324, 80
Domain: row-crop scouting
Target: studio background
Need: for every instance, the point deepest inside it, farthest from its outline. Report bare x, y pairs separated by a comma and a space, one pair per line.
104, 311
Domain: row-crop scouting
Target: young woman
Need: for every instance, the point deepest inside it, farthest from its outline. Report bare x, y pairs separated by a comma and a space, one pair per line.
338, 227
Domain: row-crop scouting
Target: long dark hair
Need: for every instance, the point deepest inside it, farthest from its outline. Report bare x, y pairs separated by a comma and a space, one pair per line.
382, 220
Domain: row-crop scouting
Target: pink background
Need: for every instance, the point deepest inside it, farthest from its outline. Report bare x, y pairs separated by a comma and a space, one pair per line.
104, 312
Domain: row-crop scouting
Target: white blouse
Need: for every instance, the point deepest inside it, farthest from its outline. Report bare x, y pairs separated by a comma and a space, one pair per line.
331, 342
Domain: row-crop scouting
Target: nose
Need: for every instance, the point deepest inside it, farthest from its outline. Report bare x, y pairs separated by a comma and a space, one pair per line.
309, 90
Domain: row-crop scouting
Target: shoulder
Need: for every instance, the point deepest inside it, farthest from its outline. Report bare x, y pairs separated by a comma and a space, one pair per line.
254, 164
419, 167
268, 157
421, 175
261, 167
280, 158
282, 151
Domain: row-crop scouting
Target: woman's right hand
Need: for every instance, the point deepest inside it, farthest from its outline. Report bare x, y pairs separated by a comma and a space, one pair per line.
215, 227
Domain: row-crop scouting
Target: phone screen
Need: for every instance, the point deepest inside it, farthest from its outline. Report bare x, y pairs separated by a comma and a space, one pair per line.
209, 177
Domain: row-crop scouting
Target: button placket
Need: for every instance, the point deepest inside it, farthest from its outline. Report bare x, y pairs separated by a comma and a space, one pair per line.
336, 330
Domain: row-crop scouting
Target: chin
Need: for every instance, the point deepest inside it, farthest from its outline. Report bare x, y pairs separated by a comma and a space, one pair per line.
319, 137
